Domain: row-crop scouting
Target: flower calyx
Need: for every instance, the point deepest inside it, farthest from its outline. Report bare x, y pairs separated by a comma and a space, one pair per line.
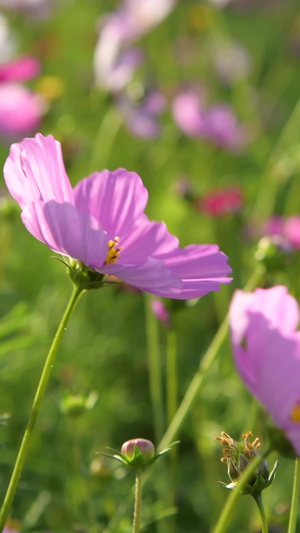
238, 455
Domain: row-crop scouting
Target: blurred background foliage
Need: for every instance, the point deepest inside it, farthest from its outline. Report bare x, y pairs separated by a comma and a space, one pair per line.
65, 485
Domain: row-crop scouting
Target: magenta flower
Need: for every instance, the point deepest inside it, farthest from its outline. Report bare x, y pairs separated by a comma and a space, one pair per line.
161, 312
101, 223
21, 69
266, 347
20, 111
218, 203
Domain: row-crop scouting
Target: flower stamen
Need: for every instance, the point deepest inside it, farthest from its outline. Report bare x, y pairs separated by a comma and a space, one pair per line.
113, 251
295, 415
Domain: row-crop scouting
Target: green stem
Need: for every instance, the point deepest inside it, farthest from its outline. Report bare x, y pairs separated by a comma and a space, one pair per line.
105, 138
154, 362
172, 393
205, 364
137, 502
39, 395
227, 511
171, 375
295, 498
264, 523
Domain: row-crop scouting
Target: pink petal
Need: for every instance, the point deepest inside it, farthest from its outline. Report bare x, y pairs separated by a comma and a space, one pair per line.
35, 171
67, 231
115, 199
145, 239
20, 69
199, 262
151, 276
20, 111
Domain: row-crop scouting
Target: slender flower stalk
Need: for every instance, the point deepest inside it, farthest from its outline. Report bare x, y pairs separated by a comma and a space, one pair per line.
295, 498
227, 511
264, 523
39, 395
205, 364
137, 502
155, 375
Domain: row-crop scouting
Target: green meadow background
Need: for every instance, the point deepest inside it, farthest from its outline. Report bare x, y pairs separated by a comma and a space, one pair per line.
113, 337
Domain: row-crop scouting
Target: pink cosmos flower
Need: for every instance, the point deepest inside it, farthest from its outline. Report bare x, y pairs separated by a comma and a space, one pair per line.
286, 228
101, 223
160, 311
266, 347
115, 59
20, 111
114, 62
33, 8
188, 112
216, 124
218, 203
21, 69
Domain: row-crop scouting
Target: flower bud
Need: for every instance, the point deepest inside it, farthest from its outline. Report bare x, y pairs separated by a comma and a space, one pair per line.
238, 455
145, 448
275, 253
138, 453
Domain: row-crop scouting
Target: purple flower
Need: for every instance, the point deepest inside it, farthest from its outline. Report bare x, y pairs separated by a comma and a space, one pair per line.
33, 8
216, 124
101, 223
266, 347
223, 129
142, 119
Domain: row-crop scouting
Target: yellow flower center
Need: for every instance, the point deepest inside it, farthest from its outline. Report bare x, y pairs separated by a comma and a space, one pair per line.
113, 251
295, 416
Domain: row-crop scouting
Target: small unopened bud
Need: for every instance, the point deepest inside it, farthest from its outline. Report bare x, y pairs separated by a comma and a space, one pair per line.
138, 453
275, 253
76, 405
145, 448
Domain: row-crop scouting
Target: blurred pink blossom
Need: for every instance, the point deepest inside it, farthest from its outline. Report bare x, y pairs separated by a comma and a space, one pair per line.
20, 111
142, 118
32, 8
216, 124
266, 348
188, 112
101, 223
160, 311
223, 129
115, 60
288, 228
20, 69
220, 202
